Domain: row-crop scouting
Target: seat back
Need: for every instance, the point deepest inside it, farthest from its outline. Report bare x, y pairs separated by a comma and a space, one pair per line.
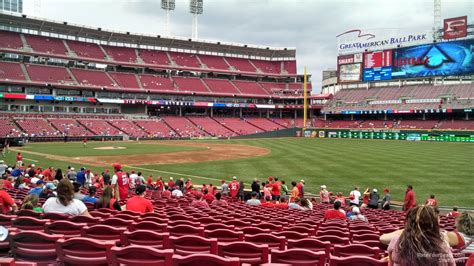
250, 230
204, 259
56, 216
28, 213
66, 228
335, 240
246, 252
185, 230
225, 235
148, 225
311, 244
356, 261
139, 255
34, 246
186, 245
298, 256
292, 235
356, 250
102, 232
145, 238
117, 222
273, 242
83, 251
85, 219
28, 223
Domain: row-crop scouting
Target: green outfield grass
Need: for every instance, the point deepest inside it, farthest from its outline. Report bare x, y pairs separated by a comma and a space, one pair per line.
444, 169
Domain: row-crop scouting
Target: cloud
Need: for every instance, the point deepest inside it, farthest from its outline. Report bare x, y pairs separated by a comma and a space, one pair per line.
308, 25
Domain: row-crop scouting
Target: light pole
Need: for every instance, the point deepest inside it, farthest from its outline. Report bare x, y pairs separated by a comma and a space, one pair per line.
195, 8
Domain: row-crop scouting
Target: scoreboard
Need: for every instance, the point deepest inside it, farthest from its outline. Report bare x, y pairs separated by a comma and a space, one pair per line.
377, 65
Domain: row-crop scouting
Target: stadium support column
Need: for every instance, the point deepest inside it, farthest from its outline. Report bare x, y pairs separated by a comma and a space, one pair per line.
212, 112
240, 112
305, 100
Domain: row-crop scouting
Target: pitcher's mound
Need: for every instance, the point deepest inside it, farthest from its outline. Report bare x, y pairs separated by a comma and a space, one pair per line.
110, 148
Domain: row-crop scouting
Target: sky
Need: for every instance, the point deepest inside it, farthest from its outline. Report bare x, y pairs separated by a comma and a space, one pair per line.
310, 26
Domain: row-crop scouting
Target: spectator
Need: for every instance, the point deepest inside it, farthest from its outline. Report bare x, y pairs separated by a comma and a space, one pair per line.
386, 200
159, 184
71, 174
306, 205
48, 191
7, 204
301, 189
31, 171
89, 178
200, 203
48, 173
189, 185
179, 183
324, 195
107, 201
166, 193
356, 215
365, 197
106, 177
20, 183
276, 189
284, 188
19, 160
7, 183
421, 243
218, 201
241, 191
59, 174
234, 187
91, 197
294, 192
120, 182
253, 201
3, 167
37, 187
295, 205
410, 201
432, 201
224, 188
268, 202
138, 203
77, 191
341, 198
171, 182
133, 178
282, 203
211, 190
266, 191
207, 196
30, 202
255, 186
65, 202
355, 197
455, 213
81, 176
463, 238
374, 199
177, 193
335, 213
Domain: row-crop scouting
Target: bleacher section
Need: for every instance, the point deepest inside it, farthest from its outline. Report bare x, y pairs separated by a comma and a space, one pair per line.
212, 127
37, 127
155, 128
93, 78
11, 71
156, 83
189, 84
125, 80
99, 127
46, 45
86, 50
69, 127
120, 54
185, 60
241, 64
154, 57
10, 40
128, 127
48, 74
183, 127
265, 124
237, 125
214, 62
221, 86
250, 88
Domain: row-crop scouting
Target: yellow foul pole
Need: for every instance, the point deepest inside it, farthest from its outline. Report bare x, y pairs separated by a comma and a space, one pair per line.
305, 101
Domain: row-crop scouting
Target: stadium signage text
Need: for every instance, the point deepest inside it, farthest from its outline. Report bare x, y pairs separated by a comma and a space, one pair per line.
347, 43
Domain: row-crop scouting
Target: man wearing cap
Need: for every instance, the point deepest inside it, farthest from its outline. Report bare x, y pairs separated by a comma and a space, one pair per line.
386, 199
171, 182
120, 182
38, 186
234, 187
3, 167
71, 174
374, 199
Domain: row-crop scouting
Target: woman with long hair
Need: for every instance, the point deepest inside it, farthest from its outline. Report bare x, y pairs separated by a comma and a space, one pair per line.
107, 200
59, 174
421, 242
30, 202
65, 202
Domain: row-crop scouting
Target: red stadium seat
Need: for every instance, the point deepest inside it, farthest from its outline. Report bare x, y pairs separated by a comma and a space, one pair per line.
57, 216
272, 227
299, 257
338, 233
83, 251
225, 235
292, 235
301, 229
84, 219
356, 250
186, 245
140, 255
28, 213
102, 232
147, 225
204, 260
356, 261
214, 226
6, 220
117, 222
246, 252
311, 244
66, 228
28, 223
250, 230
34, 246
334, 239
158, 220
185, 230
145, 238
364, 237
273, 242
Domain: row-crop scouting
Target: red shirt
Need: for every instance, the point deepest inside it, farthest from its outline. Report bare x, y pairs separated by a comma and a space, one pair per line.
200, 204
123, 185
281, 206
267, 204
219, 203
170, 184
139, 204
431, 202
332, 214
454, 214
159, 185
19, 157
300, 189
47, 174
6, 202
234, 188
208, 197
7, 184
410, 201
276, 188
166, 194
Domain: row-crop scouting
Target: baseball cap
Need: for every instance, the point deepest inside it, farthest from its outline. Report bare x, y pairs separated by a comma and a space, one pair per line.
375, 190
386, 190
1, 161
27, 175
302, 181
355, 209
34, 180
32, 165
140, 189
51, 186
234, 177
323, 186
39, 182
117, 166
72, 168
40, 176
171, 178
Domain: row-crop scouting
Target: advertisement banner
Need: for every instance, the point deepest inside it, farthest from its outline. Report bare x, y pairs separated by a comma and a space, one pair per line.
455, 28
350, 73
434, 59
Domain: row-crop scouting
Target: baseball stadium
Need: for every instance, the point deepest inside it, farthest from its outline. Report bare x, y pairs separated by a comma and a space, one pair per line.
125, 148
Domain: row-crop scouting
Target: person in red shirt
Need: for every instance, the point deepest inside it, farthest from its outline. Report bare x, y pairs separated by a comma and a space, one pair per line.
335, 213
455, 213
166, 193
19, 160
120, 182
282, 204
341, 198
300, 187
204, 187
268, 202
196, 193
218, 201
160, 186
48, 174
189, 185
276, 189
138, 203
171, 182
6, 202
200, 203
234, 187
432, 201
7, 183
410, 201
211, 189
207, 196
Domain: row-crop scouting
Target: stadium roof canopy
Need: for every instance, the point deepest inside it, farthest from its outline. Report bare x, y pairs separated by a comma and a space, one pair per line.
25, 22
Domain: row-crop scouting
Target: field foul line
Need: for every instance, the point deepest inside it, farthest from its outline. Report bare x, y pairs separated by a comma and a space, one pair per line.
172, 173
28, 159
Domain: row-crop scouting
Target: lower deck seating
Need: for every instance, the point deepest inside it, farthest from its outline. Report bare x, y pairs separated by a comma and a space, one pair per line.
239, 126
37, 127
212, 127
155, 128
70, 127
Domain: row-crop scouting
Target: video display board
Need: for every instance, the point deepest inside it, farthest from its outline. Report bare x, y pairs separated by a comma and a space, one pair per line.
350, 73
378, 65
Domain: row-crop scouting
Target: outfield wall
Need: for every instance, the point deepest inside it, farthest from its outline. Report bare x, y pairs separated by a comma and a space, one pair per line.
411, 135
283, 133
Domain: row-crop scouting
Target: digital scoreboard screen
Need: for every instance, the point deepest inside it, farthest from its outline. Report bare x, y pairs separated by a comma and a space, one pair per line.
379, 73
378, 66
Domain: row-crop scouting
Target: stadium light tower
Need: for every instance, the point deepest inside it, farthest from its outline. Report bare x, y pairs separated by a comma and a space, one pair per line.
195, 8
436, 18
167, 5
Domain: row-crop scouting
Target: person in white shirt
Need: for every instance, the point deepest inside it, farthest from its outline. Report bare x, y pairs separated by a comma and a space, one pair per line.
355, 197
177, 193
133, 179
65, 202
